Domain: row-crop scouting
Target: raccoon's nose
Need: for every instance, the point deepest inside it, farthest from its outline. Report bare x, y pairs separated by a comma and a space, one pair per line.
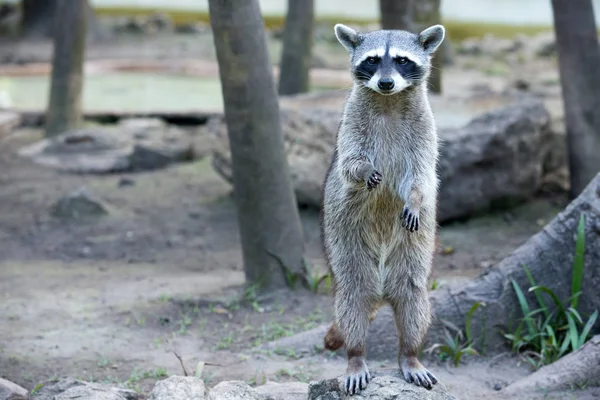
386, 84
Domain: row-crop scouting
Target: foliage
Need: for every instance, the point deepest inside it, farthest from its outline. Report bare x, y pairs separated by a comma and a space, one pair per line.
544, 335
460, 344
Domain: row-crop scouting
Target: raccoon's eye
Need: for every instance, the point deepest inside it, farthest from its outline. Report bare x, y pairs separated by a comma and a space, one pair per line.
372, 60
401, 60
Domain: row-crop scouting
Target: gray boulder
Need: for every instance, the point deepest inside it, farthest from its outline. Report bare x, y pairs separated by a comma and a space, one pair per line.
179, 388
382, 387
12, 391
71, 389
496, 158
8, 122
136, 144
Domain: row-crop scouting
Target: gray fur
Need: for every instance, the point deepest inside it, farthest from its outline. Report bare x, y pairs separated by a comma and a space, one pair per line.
372, 257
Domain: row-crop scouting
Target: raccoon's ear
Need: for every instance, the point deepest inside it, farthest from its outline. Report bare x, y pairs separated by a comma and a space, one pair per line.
348, 37
431, 38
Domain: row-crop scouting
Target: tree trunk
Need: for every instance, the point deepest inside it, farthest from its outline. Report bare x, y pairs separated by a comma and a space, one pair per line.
425, 14
297, 47
38, 19
579, 58
396, 14
269, 223
64, 107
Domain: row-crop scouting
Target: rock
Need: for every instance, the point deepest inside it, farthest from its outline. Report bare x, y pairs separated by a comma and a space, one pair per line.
8, 122
81, 204
132, 145
71, 389
12, 391
382, 387
283, 391
575, 370
179, 388
495, 158
233, 390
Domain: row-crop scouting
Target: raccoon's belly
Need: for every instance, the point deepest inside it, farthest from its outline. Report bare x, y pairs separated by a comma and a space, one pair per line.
383, 218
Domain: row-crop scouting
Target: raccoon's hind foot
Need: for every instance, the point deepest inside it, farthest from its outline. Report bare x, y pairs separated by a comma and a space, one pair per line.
414, 372
357, 375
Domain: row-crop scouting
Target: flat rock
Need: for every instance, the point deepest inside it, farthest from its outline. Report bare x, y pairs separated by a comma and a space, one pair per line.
382, 387
283, 391
81, 204
12, 391
493, 160
135, 144
71, 389
179, 388
233, 390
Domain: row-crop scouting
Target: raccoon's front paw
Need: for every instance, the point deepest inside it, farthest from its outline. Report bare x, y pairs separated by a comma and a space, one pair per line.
374, 180
410, 219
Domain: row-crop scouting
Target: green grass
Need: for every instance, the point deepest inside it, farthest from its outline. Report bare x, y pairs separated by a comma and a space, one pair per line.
544, 334
459, 345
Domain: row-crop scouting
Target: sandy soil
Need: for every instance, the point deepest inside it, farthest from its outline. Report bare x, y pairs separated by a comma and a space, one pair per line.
111, 300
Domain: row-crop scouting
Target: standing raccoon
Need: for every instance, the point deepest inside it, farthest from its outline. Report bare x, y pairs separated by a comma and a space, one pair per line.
380, 198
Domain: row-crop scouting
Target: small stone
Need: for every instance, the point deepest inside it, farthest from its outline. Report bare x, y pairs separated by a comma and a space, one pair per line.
81, 204
497, 386
124, 182
12, 391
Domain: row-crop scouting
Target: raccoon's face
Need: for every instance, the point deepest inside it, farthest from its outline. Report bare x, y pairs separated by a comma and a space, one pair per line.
388, 62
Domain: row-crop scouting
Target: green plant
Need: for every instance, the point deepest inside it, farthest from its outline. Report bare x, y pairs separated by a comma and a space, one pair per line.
455, 347
543, 335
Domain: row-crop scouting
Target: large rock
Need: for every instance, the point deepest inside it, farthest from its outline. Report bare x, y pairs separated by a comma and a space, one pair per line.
382, 387
495, 159
8, 122
138, 144
179, 388
12, 391
71, 389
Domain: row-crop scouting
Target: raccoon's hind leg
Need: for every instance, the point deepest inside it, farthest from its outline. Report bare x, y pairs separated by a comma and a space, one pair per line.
354, 305
409, 299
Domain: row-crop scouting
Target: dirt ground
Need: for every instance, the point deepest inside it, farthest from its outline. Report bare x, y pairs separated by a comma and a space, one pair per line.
113, 300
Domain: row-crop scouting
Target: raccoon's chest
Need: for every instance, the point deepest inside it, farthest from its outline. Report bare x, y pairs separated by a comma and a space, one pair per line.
386, 147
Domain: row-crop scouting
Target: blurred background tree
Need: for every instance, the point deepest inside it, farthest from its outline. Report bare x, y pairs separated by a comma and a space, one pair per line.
297, 47
38, 19
66, 86
579, 61
269, 223
414, 16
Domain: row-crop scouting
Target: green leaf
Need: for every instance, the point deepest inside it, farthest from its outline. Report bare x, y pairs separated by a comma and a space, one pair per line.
524, 307
552, 295
474, 308
573, 334
588, 327
578, 261
539, 297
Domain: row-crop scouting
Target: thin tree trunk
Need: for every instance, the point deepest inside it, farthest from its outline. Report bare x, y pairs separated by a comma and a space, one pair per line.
396, 14
268, 217
297, 47
64, 107
579, 59
425, 14
38, 20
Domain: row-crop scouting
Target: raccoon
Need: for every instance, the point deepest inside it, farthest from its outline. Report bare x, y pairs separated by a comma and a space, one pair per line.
380, 198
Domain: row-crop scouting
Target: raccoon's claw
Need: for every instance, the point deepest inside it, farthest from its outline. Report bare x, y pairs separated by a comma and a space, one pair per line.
374, 180
410, 220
